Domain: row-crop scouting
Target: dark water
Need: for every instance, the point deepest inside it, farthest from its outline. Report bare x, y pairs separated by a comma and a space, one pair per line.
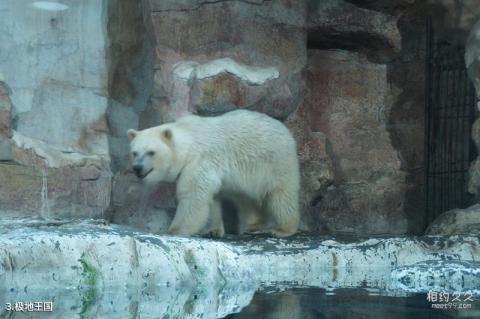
167, 303
349, 304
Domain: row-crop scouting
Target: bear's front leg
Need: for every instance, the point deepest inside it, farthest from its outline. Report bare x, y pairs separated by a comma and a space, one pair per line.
195, 191
191, 217
215, 227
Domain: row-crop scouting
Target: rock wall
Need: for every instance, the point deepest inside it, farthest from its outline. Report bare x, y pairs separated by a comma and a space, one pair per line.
57, 74
343, 75
53, 140
348, 103
472, 61
364, 113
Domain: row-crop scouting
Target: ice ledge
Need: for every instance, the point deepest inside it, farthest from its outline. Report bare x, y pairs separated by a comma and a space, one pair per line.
187, 70
215, 277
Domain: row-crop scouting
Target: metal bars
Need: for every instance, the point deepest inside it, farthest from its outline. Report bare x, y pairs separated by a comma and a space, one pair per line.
450, 111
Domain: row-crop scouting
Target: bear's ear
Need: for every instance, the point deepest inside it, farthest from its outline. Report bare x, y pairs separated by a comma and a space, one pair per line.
131, 134
167, 134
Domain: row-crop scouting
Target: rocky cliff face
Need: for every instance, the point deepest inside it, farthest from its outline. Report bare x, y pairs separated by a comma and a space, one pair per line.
54, 134
343, 75
472, 61
54, 61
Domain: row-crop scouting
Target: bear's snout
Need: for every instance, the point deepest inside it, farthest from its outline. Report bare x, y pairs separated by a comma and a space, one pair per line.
137, 169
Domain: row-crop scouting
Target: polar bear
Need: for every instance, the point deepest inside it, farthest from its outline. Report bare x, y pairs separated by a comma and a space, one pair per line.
244, 156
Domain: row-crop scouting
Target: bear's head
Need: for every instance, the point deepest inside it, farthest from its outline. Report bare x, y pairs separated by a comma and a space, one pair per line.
152, 154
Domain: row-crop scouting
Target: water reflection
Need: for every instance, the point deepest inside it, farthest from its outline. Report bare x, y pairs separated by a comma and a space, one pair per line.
346, 304
125, 302
166, 302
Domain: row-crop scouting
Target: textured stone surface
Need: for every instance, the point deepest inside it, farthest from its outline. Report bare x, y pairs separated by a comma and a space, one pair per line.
148, 209
474, 175
472, 62
341, 24
454, 20
315, 165
5, 111
130, 75
472, 56
389, 6
54, 61
405, 118
457, 222
264, 35
45, 181
5, 149
106, 269
348, 103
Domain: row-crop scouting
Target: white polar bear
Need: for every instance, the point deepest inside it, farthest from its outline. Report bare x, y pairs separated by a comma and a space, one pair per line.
244, 156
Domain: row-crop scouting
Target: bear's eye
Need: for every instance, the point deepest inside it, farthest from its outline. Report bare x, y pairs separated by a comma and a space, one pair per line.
150, 153
135, 154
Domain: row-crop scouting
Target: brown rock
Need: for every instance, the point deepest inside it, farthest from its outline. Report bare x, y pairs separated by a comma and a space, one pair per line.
43, 180
341, 24
315, 164
362, 209
472, 56
142, 207
472, 61
389, 6
53, 192
347, 103
263, 34
5, 113
223, 89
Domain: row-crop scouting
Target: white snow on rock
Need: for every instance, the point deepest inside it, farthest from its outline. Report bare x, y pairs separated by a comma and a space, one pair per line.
187, 70
49, 6
54, 157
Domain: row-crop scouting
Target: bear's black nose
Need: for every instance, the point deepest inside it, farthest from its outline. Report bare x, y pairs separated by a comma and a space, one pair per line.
138, 169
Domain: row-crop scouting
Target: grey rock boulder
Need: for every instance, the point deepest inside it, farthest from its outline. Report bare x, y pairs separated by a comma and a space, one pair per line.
457, 222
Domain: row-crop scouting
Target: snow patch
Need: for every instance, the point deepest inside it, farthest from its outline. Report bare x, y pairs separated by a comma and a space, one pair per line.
53, 156
187, 70
49, 6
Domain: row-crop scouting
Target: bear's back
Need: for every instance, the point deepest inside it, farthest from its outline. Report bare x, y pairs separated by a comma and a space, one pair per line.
239, 135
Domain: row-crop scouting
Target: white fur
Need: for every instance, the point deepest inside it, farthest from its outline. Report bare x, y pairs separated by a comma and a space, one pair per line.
245, 156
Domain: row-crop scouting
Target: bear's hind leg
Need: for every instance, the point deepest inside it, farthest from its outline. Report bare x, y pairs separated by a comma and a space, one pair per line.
282, 206
248, 214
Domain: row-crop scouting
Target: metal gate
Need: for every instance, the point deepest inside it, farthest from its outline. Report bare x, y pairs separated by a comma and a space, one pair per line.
449, 114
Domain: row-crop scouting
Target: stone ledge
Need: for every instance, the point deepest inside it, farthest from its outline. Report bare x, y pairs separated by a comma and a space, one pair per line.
52, 182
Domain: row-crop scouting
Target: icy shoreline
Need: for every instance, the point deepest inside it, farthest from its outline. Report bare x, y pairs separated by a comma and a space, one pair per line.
103, 264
